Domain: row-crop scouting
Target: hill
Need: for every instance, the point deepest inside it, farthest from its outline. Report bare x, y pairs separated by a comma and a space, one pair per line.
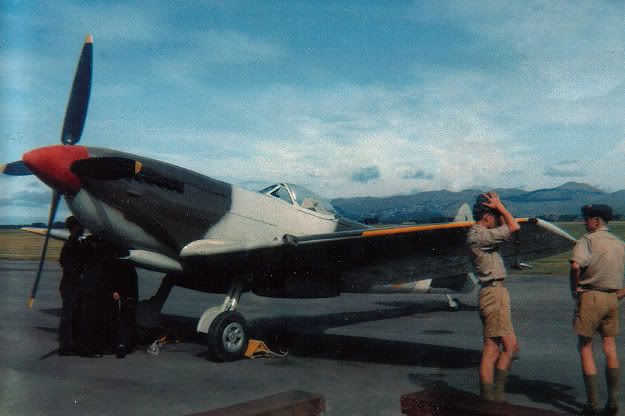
560, 203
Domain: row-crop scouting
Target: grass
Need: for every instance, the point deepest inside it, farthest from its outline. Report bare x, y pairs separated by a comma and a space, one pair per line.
21, 245
559, 264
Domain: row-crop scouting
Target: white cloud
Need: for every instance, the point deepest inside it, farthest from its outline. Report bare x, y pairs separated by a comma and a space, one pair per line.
566, 169
233, 47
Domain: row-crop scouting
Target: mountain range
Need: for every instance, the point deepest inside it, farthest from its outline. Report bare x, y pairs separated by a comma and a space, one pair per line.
562, 203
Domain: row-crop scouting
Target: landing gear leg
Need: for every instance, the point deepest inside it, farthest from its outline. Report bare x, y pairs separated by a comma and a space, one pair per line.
225, 328
452, 303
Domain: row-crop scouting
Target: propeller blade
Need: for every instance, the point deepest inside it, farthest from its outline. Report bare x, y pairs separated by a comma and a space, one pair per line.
106, 168
56, 197
76, 111
18, 168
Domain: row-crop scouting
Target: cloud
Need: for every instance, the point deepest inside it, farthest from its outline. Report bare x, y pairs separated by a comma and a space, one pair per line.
418, 174
25, 200
565, 169
234, 47
366, 174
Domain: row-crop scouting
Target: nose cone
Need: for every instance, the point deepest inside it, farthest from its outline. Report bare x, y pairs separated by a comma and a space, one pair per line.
51, 164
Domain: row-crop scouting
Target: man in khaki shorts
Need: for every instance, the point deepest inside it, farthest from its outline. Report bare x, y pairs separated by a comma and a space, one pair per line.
494, 225
596, 283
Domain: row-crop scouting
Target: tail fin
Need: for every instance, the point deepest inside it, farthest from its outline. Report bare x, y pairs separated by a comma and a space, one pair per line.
464, 213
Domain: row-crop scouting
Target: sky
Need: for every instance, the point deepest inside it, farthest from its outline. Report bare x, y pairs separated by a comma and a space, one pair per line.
347, 98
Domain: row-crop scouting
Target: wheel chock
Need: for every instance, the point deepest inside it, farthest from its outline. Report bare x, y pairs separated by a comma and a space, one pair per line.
257, 349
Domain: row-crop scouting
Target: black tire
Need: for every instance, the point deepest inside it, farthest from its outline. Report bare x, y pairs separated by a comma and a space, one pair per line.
227, 337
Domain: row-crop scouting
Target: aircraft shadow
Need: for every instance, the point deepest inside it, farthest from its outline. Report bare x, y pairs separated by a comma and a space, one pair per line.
560, 396
52, 311
305, 336
49, 330
438, 307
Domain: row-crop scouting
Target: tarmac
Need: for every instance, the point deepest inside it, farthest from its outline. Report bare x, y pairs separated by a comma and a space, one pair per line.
360, 352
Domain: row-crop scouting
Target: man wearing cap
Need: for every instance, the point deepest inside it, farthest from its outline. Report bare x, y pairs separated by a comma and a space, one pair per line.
494, 225
596, 283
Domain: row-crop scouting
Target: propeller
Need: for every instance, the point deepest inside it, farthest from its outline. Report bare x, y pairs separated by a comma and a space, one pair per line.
76, 111
18, 168
75, 116
56, 198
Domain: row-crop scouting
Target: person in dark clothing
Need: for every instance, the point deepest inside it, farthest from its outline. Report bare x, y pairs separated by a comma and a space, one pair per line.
96, 294
71, 261
125, 293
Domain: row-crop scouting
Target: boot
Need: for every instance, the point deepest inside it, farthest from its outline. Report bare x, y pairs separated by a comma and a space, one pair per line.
612, 376
487, 392
501, 376
592, 392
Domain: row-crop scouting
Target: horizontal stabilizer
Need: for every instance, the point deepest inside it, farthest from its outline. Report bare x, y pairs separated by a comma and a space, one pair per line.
58, 234
464, 213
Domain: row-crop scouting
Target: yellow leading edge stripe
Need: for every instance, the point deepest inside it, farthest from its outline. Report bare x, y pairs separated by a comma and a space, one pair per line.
416, 228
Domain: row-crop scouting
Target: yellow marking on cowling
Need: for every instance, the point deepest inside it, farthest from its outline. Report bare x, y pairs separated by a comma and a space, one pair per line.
428, 227
138, 166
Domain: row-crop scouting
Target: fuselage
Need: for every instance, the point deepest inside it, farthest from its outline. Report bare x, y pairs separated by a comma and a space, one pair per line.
168, 210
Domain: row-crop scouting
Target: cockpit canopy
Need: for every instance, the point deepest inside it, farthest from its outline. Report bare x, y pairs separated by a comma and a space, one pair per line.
298, 195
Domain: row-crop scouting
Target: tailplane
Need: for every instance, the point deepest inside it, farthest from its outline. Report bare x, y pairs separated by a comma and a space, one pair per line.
464, 213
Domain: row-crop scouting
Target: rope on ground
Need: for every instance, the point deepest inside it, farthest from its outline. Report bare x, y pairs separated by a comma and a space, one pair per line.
155, 347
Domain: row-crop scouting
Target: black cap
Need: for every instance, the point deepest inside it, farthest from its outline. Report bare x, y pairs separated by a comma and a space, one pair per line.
479, 209
599, 210
71, 222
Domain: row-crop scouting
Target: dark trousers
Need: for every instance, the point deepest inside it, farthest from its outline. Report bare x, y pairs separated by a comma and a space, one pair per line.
69, 318
94, 324
124, 317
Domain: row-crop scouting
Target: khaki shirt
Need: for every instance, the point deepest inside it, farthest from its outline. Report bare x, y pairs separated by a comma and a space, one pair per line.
484, 244
601, 255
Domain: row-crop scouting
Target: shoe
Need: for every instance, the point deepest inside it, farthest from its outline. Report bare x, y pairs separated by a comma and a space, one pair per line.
588, 410
121, 351
92, 355
66, 352
610, 410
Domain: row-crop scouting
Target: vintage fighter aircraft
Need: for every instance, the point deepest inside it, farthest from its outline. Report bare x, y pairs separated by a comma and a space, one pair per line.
208, 235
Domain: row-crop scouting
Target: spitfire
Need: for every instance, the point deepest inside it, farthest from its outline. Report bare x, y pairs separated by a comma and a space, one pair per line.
282, 241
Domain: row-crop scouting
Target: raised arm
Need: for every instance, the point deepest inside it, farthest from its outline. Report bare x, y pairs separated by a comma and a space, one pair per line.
495, 203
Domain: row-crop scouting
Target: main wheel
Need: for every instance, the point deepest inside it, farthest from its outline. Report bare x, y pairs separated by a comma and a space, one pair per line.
226, 338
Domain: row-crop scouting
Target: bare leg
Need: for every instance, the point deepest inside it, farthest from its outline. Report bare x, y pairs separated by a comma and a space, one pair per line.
609, 349
490, 355
510, 348
585, 352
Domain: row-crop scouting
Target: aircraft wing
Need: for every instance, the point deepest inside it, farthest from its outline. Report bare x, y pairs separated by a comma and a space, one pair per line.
148, 260
383, 255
